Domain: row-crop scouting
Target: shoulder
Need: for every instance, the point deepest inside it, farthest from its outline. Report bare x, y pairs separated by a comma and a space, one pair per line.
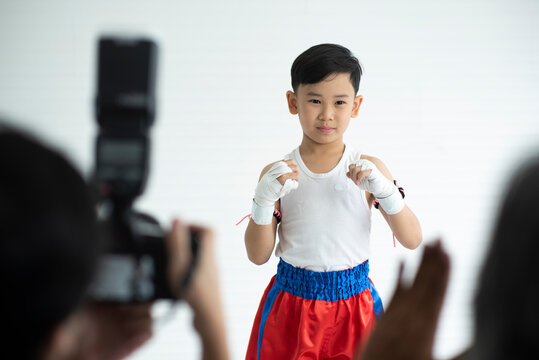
376, 161
289, 156
379, 164
292, 154
267, 168
354, 155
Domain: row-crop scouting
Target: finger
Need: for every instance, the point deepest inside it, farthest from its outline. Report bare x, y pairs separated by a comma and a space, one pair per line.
358, 175
282, 179
280, 164
433, 273
401, 272
362, 175
294, 168
132, 325
295, 171
352, 173
202, 231
204, 285
206, 239
133, 309
292, 175
399, 287
435, 260
130, 345
355, 175
176, 237
178, 250
198, 260
290, 162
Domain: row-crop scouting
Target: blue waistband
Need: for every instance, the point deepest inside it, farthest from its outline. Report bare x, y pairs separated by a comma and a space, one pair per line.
328, 286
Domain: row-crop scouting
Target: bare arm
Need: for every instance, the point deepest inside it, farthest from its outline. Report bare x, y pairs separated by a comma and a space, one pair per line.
205, 300
404, 224
260, 239
203, 293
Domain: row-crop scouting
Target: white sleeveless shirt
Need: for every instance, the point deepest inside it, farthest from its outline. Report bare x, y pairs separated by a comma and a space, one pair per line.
326, 221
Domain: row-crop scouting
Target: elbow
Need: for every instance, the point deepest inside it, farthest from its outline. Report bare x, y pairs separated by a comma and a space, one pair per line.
415, 241
256, 255
258, 259
258, 248
414, 244
412, 241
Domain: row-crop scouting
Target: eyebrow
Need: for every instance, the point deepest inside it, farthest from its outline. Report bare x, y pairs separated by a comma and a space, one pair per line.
316, 94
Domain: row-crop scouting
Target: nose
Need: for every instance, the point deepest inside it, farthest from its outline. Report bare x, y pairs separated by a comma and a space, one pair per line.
326, 113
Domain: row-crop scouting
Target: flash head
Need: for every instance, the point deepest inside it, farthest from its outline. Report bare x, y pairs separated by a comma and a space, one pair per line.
126, 84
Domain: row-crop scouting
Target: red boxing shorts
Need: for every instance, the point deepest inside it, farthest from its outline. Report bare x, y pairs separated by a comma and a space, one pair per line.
314, 315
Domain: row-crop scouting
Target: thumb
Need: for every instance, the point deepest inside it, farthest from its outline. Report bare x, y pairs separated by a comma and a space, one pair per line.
400, 289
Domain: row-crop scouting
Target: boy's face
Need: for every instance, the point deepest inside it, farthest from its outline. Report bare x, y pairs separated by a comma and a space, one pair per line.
325, 108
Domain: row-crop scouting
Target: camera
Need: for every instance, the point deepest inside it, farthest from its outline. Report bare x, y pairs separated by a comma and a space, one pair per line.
133, 267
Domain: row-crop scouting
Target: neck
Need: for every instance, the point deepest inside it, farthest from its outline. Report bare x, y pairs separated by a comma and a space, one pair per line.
308, 146
321, 158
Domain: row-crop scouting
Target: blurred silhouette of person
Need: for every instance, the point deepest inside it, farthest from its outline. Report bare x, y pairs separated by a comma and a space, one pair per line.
49, 245
506, 303
506, 311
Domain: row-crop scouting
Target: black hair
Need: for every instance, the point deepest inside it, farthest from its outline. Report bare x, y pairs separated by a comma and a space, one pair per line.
506, 303
320, 61
48, 243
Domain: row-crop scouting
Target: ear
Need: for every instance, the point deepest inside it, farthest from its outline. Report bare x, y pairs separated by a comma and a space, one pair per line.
292, 102
357, 103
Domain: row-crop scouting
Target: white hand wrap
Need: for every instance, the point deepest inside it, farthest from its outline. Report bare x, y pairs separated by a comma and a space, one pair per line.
268, 191
383, 190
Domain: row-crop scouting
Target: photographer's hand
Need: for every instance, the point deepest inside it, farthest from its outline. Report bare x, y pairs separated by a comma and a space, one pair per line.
406, 330
203, 293
113, 331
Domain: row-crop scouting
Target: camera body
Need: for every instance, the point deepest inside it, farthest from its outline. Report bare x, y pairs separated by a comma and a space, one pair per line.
134, 265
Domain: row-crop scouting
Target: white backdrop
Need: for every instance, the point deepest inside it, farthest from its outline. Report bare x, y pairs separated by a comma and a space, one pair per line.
451, 99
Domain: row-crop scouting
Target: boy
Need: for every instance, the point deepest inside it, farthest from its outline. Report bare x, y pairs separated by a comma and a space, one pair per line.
321, 303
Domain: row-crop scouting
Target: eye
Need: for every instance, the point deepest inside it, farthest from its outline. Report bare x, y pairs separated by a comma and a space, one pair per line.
340, 102
315, 101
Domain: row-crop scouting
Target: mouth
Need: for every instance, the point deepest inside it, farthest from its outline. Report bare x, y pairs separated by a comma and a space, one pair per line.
324, 129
